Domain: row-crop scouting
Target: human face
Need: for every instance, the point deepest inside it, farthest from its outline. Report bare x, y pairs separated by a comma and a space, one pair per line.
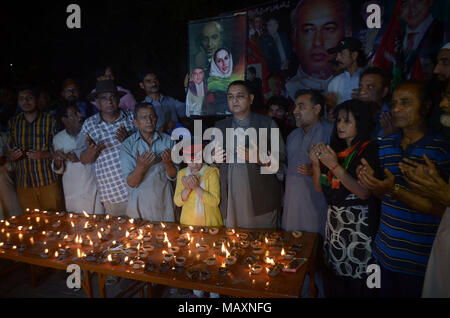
345, 59
346, 126
442, 69
27, 101
150, 84
272, 27
320, 27
406, 107
306, 114
212, 39
74, 120
71, 92
371, 89
223, 61
107, 76
198, 75
414, 12
146, 120
239, 100
43, 101
276, 111
108, 103
258, 22
445, 105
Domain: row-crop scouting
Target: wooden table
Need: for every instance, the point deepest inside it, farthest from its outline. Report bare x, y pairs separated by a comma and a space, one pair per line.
238, 282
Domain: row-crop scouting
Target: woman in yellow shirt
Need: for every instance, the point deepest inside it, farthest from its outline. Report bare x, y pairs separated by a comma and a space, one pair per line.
198, 191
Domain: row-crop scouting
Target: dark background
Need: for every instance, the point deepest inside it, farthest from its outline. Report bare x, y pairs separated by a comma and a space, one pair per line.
129, 35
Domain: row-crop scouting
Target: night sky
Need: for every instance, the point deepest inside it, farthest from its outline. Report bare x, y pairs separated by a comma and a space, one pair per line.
130, 35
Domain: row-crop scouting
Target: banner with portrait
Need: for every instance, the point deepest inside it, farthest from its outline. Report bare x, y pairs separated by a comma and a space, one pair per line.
217, 57
288, 40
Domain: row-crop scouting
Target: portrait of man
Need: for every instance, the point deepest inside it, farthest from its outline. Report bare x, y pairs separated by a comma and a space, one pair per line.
317, 25
276, 47
210, 40
198, 88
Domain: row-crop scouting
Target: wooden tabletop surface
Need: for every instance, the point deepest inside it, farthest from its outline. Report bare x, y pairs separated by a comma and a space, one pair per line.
26, 237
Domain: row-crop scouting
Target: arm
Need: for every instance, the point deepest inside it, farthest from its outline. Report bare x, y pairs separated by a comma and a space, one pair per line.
181, 192
212, 196
418, 202
313, 155
92, 152
143, 162
168, 164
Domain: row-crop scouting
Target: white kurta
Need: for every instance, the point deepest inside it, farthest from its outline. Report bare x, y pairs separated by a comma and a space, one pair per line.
79, 183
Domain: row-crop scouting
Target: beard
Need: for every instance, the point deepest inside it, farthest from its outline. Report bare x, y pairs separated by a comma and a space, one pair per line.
445, 120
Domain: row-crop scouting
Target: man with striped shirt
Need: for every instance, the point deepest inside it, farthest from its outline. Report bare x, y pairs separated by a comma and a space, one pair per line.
30, 136
405, 236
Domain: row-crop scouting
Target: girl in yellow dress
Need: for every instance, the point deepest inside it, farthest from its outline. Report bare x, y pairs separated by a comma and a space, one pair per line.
198, 191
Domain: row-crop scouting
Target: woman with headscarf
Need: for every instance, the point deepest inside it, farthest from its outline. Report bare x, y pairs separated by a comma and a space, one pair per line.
220, 76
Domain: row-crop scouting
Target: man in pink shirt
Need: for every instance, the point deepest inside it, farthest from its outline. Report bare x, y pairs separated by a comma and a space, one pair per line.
127, 102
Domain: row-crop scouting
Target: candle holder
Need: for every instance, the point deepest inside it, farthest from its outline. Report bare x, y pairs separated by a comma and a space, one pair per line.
258, 251
297, 234
139, 265
203, 248
213, 230
231, 260
164, 267
45, 253
168, 257
148, 247
180, 260
205, 275
223, 271
242, 236
5, 246
182, 241
256, 244
230, 232
174, 249
244, 244
256, 269
275, 270
211, 261
192, 274
290, 255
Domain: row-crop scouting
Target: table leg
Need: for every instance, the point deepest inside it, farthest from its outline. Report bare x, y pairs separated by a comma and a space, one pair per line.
101, 285
33, 276
149, 290
86, 283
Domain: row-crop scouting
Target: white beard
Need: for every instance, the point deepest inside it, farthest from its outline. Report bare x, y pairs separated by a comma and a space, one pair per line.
445, 120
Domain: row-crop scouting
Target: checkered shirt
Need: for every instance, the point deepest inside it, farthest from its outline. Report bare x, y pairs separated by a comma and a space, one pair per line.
110, 182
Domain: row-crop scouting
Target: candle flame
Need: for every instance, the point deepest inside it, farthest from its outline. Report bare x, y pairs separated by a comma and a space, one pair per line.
169, 245
188, 237
131, 221
56, 254
78, 253
36, 210
163, 225
125, 259
191, 228
38, 219
99, 235
6, 223
20, 236
283, 252
127, 234
197, 245
31, 240
164, 252
46, 251
109, 258
30, 228
72, 224
85, 214
20, 228
179, 228
107, 217
233, 231
267, 241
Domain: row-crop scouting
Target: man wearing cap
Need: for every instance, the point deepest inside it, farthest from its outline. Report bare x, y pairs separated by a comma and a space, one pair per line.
148, 169
351, 60
99, 143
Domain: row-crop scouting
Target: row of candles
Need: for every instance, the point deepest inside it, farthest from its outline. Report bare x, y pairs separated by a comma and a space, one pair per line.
144, 247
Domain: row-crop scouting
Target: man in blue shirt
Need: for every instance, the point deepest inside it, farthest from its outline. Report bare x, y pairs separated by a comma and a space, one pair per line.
147, 168
408, 222
168, 109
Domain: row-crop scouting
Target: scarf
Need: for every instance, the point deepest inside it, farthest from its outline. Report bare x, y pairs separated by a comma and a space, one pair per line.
200, 218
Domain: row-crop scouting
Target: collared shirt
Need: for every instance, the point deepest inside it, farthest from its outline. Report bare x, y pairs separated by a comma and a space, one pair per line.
405, 236
80, 188
135, 142
107, 167
37, 135
152, 199
420, 30
167, 109
344, 84
304, 81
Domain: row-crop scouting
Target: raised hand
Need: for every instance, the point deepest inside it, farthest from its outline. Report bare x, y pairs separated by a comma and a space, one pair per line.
93, 146
387, 125
166, 156
15, 153
121, 134
145, 160
327, 156
366, 177
219, 155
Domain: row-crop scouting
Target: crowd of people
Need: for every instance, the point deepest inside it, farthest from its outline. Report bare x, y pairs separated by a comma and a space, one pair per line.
359, 164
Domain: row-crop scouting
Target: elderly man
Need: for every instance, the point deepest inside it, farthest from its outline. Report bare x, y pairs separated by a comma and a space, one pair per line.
210, 42
30, 137
80, 188
148, 169
249, 199
317, 25
99, 143
127, 102
408, 222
